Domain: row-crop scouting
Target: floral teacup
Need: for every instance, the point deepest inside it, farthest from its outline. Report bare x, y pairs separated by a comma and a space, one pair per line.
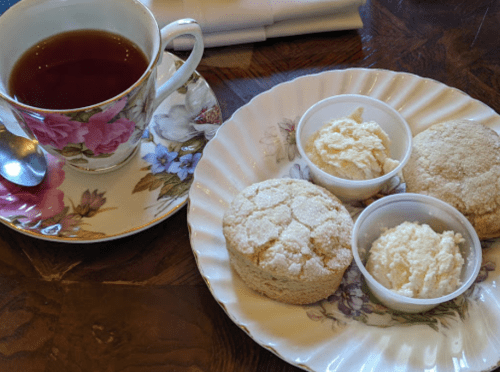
104, 136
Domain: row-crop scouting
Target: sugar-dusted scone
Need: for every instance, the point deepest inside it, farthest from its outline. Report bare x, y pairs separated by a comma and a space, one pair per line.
459, 162
289, 239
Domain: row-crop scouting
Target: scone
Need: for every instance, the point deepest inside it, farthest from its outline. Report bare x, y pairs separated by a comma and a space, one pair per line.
459, 163
289, 239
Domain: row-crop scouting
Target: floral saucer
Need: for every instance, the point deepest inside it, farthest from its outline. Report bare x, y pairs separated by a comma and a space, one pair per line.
71, 206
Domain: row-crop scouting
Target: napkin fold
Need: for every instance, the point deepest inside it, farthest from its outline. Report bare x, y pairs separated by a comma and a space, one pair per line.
231, 22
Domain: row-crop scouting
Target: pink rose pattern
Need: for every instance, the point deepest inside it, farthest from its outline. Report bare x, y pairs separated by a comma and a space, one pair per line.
41, 209
55, 129
100, 134
104, 137
34, 203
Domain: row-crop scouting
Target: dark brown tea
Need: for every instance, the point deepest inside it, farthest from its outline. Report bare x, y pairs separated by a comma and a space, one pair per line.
75, 69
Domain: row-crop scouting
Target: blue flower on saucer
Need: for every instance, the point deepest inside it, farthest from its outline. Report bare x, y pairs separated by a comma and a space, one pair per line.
185, 166
161, 159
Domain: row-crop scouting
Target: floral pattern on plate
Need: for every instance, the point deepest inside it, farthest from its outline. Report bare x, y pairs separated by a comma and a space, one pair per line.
349, 331
181, 134
78, 207
41, 209
352, 301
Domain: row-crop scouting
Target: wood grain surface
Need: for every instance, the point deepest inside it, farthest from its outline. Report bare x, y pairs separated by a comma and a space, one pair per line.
139, 304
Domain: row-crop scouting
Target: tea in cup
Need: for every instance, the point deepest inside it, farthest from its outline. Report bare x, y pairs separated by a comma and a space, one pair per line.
80, 75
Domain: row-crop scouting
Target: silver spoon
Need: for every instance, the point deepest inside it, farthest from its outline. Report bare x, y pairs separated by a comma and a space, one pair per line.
21, 160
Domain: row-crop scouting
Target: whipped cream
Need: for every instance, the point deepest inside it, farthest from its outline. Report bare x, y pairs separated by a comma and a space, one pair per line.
415, 261
350, 148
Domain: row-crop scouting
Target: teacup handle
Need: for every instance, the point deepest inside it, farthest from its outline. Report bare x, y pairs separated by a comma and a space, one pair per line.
168, 33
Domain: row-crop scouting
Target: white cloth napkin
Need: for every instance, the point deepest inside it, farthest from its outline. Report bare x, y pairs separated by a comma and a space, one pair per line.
230, 22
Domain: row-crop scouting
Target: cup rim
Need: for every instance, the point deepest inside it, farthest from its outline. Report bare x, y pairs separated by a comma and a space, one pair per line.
419, 198
344, 182
142, 78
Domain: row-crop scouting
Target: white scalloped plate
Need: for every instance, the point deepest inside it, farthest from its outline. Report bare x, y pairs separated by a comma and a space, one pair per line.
349, 331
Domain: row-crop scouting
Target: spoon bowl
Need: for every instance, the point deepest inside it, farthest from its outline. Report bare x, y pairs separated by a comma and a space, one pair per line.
21, 159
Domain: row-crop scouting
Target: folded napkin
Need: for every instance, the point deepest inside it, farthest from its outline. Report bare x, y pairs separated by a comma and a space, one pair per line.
230, 22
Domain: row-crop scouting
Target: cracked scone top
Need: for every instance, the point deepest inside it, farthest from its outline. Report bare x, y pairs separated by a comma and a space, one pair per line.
459, 163
289, 239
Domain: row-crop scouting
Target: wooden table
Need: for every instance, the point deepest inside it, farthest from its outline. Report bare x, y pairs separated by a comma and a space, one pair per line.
139, 303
